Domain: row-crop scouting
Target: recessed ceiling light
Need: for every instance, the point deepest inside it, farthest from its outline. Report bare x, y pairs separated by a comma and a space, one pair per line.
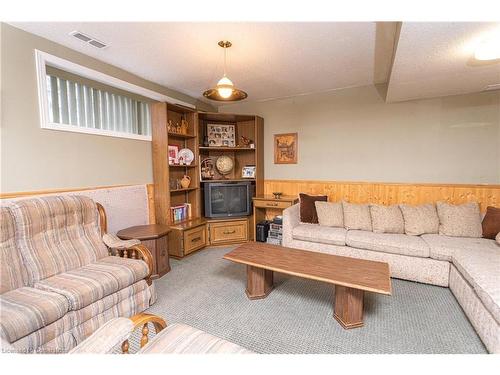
489, 48
88, 39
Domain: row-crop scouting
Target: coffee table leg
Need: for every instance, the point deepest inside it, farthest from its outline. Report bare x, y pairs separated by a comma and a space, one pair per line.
348, 309
259, 282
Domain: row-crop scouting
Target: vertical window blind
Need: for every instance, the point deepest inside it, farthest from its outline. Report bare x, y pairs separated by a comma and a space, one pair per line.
84, 106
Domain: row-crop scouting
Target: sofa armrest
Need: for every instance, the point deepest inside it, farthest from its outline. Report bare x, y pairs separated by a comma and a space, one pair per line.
137, 252
143, 319
106, 338
291, 218
117, 331
114, 242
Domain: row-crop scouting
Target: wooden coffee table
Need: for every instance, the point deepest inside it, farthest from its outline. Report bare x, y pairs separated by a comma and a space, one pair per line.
351, 277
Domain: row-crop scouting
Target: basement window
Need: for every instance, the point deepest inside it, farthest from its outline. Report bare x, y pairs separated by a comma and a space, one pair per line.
86, 104
78, 99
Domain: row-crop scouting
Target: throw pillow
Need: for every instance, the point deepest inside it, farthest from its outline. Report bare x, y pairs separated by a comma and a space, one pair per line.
462, 220
308, 212
497, 238
387, 219
420, 219
357, 216
330, 214
491, 222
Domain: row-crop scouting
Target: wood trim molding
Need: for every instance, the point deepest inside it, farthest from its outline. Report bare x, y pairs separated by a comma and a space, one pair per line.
20, 194
151, 203
390, 192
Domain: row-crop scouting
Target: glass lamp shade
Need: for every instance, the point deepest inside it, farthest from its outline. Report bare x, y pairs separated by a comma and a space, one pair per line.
225, 87
225, 91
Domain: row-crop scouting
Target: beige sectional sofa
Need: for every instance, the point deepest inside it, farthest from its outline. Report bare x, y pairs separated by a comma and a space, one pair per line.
59, 282
470, 267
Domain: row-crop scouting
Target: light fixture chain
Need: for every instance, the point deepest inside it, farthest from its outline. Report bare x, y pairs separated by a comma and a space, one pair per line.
225, 50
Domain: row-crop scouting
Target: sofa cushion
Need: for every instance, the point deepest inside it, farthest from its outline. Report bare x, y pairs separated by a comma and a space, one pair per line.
183, 339
25, 310
387, 219
94, 281
462, 220
420, 219
57, 234
320, 234
491, 222
357, 216
330, 214
482, 271
12, 271
308, 212
388, 243
443, 247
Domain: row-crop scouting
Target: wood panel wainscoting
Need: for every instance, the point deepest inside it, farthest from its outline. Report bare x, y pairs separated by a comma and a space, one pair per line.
389, 193
354, 192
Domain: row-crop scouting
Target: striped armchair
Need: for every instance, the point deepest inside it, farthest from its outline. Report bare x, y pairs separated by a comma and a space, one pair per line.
59, 280
174, 339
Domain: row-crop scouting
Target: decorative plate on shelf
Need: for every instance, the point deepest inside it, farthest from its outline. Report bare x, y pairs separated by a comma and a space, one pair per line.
224, 165
187, 155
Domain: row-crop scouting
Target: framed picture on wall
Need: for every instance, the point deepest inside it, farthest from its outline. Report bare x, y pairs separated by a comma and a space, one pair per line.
285, 148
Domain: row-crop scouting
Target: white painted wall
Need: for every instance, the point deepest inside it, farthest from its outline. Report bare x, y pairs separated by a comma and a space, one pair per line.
36, 159
353, 135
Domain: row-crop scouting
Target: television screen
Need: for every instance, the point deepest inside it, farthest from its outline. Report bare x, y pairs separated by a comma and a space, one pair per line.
227, 200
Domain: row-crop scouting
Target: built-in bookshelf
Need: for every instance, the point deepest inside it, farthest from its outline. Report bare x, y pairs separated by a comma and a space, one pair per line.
167, 176
193, 231
249, 126
230, 230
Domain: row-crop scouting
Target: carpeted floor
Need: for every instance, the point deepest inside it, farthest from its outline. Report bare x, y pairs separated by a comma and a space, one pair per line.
208, 292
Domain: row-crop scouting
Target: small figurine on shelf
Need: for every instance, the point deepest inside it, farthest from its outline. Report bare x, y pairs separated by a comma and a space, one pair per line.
181, 160
207, 169
245, 142
184, 126
186, 180
170, 127
177, 127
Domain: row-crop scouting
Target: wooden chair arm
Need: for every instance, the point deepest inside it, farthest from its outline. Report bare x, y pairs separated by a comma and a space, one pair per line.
137, 252
142, 319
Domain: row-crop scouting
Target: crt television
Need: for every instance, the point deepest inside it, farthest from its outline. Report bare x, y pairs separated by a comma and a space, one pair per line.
228, 199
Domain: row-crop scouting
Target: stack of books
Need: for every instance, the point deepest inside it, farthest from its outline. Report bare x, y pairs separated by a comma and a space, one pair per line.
275, 234
180, 213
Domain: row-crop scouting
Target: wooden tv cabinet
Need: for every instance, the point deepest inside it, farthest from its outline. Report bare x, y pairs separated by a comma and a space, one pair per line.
228, 231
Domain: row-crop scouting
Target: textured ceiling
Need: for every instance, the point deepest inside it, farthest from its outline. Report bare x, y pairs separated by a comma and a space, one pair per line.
436, 59
267, 60
273, 60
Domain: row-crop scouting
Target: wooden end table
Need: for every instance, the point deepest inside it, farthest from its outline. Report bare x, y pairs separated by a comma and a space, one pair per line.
154, 237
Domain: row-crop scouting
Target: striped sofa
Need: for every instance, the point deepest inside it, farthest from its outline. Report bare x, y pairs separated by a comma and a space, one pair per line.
59, 281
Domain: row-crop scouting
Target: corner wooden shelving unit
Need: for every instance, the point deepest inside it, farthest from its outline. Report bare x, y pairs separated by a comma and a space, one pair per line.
197, 232
235, 230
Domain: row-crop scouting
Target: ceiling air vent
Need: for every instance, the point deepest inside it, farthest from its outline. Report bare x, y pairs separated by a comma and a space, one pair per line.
495, 86
88, 39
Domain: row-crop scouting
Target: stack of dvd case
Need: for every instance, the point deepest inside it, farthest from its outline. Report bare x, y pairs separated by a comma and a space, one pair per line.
275, 232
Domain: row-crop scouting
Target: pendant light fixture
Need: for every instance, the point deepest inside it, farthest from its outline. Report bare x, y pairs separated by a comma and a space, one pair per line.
225, 90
